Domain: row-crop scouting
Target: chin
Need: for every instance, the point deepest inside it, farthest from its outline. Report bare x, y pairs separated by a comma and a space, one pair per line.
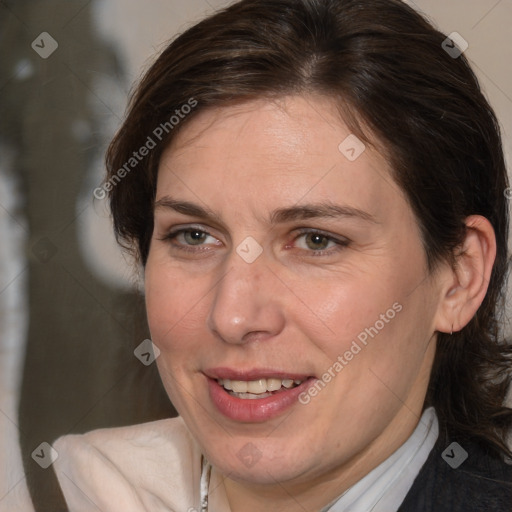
262, 473
261, 461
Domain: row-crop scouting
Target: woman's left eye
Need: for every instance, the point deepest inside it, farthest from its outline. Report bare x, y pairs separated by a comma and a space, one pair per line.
318, 242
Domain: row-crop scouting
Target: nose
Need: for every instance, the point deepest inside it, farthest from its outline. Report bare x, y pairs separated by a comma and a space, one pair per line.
246, 304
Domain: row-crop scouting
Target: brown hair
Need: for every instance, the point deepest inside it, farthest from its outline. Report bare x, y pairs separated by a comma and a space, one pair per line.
386, 67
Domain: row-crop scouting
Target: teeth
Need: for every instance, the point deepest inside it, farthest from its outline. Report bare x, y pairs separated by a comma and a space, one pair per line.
239, 386
250, 396
274, 384
257, 387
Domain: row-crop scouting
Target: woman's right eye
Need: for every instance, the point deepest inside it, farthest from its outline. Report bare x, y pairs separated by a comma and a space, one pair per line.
188, 238
192, 237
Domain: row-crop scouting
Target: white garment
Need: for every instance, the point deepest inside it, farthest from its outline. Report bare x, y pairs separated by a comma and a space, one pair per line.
157, 467
150, 467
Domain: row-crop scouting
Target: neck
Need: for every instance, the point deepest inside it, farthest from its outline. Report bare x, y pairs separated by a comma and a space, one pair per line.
314, 493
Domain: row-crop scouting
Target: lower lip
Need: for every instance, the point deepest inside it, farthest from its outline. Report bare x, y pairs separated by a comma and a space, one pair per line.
258, 409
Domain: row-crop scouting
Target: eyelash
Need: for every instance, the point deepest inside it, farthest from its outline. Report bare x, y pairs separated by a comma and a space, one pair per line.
340, 243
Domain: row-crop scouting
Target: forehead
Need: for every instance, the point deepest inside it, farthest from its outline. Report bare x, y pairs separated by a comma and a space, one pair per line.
287, 127
290, 149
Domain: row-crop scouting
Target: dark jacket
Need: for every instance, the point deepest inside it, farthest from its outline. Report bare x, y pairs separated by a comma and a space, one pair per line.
482, 483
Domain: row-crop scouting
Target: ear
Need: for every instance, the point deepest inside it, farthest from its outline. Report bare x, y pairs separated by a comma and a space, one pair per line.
465, 285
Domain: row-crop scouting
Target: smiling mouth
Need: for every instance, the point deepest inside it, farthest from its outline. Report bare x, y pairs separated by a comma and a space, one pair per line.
255, 389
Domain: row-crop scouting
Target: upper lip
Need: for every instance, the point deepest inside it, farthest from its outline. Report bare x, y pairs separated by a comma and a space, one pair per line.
252, 374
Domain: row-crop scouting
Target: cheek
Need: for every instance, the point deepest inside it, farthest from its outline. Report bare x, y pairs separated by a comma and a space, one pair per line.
369, 318
345, 308
175, 305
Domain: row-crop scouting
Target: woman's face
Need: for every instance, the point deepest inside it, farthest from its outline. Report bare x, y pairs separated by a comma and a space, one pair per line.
287, 265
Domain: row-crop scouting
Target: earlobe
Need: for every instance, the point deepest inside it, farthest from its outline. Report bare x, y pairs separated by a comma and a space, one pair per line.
467, 281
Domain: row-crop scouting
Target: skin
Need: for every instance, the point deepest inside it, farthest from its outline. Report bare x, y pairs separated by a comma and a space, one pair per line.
302, 302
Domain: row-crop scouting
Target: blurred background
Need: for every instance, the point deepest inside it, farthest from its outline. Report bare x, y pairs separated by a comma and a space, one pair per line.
71, 310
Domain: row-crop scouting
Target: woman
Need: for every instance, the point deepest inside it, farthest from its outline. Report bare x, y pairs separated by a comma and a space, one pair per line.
316, 192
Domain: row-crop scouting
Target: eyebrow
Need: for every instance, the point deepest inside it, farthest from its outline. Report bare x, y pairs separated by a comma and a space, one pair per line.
281, 215
319, 210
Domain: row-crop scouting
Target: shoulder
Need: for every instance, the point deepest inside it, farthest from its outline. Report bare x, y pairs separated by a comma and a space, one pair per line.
152, 466
482, 481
